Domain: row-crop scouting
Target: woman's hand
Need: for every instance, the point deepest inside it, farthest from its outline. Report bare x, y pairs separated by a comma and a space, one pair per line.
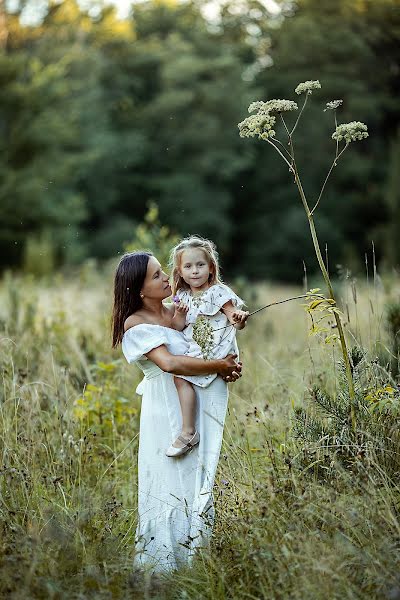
230, 369
235, 375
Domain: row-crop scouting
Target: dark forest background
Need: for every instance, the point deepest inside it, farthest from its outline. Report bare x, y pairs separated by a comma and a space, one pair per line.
99, 117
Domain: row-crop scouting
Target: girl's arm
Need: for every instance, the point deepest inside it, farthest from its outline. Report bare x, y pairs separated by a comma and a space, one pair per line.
185, 365
235, 316
178, 321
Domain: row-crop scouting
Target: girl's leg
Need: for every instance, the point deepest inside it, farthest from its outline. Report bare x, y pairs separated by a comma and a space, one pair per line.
187, 399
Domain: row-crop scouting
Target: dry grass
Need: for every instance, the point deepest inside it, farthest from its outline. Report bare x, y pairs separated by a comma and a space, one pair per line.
68, 463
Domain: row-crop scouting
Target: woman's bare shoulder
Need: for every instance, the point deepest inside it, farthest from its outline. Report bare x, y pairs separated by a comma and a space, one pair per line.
133, 320
139, 318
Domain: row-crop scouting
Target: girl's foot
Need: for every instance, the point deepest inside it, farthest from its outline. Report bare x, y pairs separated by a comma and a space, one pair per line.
186, 443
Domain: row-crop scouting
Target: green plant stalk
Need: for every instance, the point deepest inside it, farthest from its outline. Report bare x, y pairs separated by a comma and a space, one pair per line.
293, 169
330, 289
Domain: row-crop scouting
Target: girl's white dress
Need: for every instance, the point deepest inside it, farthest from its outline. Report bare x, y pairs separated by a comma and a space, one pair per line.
224, 333
175, 502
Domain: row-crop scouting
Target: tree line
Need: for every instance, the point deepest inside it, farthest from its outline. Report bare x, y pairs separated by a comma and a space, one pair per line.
100, 117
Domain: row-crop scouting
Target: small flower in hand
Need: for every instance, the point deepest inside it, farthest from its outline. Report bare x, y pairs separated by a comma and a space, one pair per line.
181, 308
176, 299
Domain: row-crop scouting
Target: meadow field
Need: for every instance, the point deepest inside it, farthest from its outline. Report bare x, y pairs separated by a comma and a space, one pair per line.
307, 506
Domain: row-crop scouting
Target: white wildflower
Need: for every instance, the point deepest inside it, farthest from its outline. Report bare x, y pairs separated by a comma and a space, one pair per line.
333, 104
273, 106
259, 105
257, 125
350, 132
308, 86
203, 335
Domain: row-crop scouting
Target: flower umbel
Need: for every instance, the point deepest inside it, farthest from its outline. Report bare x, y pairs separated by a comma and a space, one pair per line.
333, 104
203, 335
272, 106
308, 86
350, 132
260, 125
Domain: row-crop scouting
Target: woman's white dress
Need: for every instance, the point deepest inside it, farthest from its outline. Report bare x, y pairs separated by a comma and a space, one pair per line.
175, 503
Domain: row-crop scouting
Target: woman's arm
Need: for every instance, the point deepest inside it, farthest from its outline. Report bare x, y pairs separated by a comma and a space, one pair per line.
185, 365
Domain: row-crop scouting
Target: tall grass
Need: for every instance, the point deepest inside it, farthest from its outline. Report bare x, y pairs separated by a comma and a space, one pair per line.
293, 520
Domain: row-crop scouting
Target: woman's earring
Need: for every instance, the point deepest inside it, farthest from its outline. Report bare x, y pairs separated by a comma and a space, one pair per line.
142, 295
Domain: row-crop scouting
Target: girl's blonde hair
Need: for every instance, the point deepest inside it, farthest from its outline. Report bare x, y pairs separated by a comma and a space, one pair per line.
210, 251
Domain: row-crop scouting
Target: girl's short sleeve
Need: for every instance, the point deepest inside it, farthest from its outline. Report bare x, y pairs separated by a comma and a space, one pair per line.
216, 297
140, 339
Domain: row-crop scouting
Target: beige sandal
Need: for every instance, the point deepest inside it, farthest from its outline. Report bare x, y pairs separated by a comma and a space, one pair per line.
189, 444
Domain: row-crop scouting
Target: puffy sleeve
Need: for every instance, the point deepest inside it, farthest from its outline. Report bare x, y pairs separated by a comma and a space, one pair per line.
140, 339
216, 297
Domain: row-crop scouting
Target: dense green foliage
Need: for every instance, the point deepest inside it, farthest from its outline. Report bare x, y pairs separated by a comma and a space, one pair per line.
99, 117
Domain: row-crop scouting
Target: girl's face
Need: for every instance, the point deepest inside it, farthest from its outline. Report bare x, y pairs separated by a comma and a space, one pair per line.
195, 269
156, 285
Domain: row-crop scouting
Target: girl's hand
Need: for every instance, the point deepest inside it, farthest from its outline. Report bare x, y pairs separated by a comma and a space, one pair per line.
179, 318
235, 316
240, 316
181, 308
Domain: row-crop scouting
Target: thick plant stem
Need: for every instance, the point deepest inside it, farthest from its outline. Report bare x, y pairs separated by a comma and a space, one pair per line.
309, 213
329, 285
337, 317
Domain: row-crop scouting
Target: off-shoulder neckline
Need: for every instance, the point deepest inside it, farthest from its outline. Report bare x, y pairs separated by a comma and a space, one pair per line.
146, 325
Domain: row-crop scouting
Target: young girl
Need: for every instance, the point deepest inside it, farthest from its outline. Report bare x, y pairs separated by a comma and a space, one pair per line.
208, 313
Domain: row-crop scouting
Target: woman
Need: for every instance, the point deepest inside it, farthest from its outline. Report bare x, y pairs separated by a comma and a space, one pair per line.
175, 506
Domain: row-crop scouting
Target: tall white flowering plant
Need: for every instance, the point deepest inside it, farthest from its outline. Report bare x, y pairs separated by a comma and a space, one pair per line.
262, 124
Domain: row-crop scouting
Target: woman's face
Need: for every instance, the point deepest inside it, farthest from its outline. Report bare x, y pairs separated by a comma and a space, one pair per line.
156, 285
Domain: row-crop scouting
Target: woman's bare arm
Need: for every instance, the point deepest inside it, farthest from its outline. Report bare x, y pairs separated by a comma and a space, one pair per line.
185, 365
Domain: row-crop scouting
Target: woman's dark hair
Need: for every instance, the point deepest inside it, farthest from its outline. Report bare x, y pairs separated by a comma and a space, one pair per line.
128, 282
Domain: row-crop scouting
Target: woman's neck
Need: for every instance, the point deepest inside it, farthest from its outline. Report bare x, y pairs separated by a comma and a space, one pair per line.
154, 307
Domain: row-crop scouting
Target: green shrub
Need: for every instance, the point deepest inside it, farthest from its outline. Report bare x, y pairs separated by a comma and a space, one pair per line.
39, 254
393, 327
324, 426
151, 235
